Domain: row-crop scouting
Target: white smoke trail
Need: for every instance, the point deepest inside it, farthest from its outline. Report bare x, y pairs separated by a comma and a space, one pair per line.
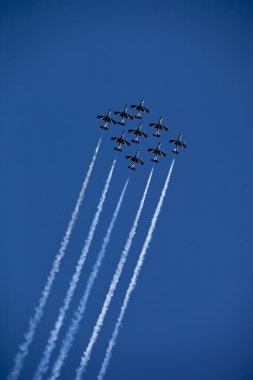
134, 278
78, 315
87, 353
54, 334
34, 321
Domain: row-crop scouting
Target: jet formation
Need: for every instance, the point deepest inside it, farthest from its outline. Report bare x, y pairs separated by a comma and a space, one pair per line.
139, 133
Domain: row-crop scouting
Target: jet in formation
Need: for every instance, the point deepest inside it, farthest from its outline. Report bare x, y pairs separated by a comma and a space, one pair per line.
140, 107
157, 152
107, 119
179, 144
121, 141
159, 127
124, 115
135, 160
138, 132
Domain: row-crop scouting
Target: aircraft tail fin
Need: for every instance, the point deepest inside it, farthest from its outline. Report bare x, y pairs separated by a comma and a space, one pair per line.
154, 159
157, 134
175, 151
121, 123
104, 127
136, 141
118, 149
131, 167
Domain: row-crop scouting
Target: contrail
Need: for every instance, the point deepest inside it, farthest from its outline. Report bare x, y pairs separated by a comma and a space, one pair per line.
87, 353
75, 323
34, 321
134, 278
54, 334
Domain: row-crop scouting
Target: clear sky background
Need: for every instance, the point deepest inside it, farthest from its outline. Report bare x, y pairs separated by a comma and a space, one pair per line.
62, 63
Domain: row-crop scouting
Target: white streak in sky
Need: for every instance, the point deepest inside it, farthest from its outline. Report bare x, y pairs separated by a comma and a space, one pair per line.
79, 313
134, 278
34, 321
54, 334
87, 353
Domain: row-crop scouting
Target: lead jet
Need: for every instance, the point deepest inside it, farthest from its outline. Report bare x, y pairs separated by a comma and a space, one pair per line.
135, 160
159, 127
179, 143
140, 107
157, 152
124, 115
107, 119
138, 132
121, 141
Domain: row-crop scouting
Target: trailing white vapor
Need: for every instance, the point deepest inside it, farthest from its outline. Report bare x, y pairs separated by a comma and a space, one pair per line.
34, 321
79, 313
87, 353
134, 278
54, 334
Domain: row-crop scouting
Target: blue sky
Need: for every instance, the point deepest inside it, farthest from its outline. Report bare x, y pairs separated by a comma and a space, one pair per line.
62, 63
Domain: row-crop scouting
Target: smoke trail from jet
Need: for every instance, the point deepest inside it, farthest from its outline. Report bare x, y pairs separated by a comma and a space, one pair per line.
54, 334
78, 315
34, 321
134, 279
87, 353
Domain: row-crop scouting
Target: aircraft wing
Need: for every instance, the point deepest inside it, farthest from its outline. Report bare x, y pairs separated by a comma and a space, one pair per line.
112, 121
133, 131
154, 125
161, 153
125, 142
152, 150
130, 158
116, 139
100, 116
145, 109
128, 116
135, 106
163, 128
173, 141
143, 134
139, 161
118, 113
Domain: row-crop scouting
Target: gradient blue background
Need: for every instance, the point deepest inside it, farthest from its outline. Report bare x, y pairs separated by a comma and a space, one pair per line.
62, 63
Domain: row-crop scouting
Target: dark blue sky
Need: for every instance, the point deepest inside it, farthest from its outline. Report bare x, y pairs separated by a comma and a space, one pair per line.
62, 63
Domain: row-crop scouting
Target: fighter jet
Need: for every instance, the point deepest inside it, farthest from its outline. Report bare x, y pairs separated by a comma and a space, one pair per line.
157, 152
107, 119
179, 143
135, 160
138, 132
121, 141
140, 107
159, 127
124, 115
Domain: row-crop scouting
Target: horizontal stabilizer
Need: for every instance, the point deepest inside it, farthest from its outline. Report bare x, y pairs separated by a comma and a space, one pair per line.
103, 127
154, 159
135, 141
157, 134
121, 123
118, 149
175, 151
131, 167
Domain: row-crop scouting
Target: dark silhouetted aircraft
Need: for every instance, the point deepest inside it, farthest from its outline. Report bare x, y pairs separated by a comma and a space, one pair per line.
124, 115
107, 119
135, 160
179, 144
157, 152
121, 141
138, 132
159, 126
140, 107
